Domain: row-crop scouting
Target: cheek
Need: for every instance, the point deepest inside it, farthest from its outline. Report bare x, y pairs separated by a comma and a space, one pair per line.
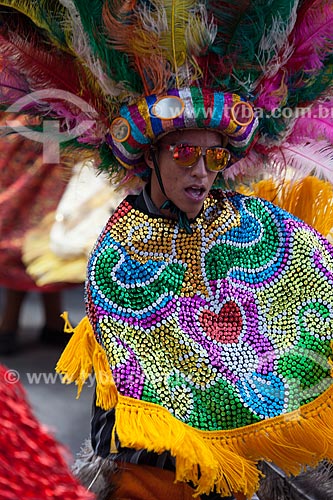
211, 178
176, 174
174, 182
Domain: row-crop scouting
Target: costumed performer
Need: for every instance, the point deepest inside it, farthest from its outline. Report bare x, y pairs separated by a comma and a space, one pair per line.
209, 313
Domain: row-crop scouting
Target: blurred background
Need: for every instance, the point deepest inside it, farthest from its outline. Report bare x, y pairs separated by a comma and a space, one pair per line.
50, 217
54, 403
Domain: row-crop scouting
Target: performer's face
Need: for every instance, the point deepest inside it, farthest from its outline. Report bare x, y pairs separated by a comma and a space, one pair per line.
186, 186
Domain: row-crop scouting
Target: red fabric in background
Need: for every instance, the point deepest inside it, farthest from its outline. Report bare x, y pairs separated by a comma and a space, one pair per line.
32, 463
29, 190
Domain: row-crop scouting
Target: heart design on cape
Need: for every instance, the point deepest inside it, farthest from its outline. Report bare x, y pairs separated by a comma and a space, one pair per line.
224, 327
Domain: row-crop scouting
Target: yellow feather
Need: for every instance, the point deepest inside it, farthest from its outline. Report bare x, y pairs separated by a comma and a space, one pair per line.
173, 40
162, 39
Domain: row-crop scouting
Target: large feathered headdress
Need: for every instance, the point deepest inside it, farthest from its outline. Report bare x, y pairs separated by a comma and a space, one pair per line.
259, 72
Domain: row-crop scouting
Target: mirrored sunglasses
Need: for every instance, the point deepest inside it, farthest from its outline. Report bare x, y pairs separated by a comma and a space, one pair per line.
216, 158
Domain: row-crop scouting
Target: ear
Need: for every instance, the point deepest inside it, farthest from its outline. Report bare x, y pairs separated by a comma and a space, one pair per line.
148, 158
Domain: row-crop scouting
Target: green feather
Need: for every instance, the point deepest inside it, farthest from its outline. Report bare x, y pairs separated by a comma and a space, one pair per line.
115, 63
313, 86
272, 127
108, 162
244, 44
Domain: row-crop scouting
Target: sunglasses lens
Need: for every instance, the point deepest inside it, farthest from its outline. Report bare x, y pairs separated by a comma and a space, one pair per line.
217, 159
186, 155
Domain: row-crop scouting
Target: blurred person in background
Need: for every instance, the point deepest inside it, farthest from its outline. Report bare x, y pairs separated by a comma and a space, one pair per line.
50, 217
29, 189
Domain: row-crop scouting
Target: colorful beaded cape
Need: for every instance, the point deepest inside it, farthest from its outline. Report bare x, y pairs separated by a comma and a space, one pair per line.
214, 338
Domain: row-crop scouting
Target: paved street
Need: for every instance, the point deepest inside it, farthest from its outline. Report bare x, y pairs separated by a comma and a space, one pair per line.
54, 403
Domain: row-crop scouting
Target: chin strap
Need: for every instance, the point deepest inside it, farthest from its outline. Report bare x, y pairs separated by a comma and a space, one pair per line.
182, 218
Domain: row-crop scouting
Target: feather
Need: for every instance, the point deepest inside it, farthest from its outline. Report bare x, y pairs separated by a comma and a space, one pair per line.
227, 15
246, 45
163, 39
305, 90
29, 56
315, 124
13, 85
200, 33
29, 53
300, 160
198, 40
271, 88
217, 63
312, 37
312, 484
305, 159
272, 92
137, 34
95, 473
249, 166
173, 39
113, 62
188, 35
81, 47
274, 47
45, 14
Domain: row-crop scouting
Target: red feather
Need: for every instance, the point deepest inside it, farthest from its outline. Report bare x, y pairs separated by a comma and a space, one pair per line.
41, 67
13, 84
29, 55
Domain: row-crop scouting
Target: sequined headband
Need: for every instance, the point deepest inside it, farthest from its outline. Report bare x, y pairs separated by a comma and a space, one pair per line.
139, 125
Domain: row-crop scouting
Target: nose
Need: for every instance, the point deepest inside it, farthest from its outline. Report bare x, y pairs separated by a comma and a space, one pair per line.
199, 169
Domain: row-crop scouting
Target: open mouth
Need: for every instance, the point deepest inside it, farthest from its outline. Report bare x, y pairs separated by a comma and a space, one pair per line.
195, 193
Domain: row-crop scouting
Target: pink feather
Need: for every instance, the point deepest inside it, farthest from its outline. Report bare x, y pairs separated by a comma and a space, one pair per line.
272, 91
315, 124
306, 159
246, 167
312, 37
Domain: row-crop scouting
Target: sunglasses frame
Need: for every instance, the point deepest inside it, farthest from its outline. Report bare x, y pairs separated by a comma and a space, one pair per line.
172, 148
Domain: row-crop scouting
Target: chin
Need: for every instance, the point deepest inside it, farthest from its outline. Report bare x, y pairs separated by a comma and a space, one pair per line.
190, 209
193, 213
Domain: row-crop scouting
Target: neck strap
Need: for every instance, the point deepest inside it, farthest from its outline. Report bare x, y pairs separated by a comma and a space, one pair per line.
182, 218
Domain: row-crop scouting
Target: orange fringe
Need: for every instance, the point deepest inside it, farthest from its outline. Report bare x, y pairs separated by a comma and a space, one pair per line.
227, 459
81, 356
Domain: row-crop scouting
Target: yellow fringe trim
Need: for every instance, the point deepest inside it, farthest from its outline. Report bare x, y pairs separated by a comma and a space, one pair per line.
82, 355
225, 460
